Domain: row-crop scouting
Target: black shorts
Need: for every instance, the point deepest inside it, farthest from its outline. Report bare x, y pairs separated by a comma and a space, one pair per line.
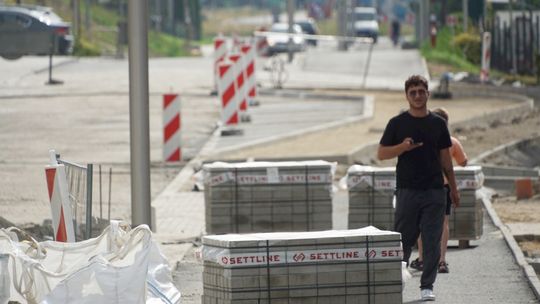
448, 200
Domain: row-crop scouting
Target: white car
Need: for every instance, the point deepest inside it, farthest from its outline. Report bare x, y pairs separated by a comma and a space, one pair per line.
365, 23
278, 39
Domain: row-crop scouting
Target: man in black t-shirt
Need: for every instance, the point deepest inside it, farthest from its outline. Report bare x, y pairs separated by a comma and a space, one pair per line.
420, 140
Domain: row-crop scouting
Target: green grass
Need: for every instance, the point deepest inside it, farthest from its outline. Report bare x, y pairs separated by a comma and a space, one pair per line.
446, 53
220, 21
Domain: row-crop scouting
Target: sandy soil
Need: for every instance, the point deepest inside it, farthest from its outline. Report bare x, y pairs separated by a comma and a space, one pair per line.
511, 210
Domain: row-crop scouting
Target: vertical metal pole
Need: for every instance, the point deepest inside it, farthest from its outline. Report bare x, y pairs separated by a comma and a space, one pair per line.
290, 15
512, 39
109, 201
89, 184
139, 112
465, 7
100, 194
87, 18
76, 19
342, 24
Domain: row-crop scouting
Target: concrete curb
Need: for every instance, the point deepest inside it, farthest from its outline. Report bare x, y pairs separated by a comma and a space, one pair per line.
524, 105
528, 270
503, 147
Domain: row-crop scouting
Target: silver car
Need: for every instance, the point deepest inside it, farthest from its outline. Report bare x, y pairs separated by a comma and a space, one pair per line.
32, 30
278, 39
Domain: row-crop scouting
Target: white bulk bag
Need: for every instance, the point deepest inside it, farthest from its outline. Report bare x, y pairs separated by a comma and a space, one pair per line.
119, 266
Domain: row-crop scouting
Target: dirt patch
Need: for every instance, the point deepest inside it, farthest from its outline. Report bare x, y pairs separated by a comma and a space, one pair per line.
511, 210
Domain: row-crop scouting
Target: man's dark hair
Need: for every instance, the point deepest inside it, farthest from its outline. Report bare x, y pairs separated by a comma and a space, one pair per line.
416, 80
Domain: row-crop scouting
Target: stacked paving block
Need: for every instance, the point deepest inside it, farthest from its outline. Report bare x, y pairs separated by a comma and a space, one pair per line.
268, 196
466, 222
324, 267
371, 193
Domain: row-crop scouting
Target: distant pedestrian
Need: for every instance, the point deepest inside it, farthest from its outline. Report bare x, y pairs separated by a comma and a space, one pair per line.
459, 156
421, 141
396, 30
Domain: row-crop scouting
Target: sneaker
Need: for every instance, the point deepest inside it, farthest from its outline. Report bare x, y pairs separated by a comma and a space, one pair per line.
427, 295
417, 264
443, 267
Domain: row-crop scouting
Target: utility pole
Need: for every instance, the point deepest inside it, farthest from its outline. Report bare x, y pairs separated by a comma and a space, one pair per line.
139, 113
290, 15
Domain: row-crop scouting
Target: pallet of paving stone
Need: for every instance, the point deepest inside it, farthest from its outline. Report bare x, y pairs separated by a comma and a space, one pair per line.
362, 265
467, 221
268, 196
371, 194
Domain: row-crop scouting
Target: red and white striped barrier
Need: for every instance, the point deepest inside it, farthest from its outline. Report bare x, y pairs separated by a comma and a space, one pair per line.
172, 125
62, 214
241, 91
486, 56
227, 93
220, 51
249, 53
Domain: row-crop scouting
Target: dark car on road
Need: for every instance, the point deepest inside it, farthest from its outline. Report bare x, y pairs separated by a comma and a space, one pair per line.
309, 27
33, 30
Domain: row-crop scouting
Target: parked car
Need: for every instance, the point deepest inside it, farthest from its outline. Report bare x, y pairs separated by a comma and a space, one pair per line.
278, 39
366, 22
32, 30
309, 27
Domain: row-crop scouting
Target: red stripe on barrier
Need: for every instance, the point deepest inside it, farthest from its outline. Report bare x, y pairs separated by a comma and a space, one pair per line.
245, 48
171, 127
252, 92
50, 174
243, 105
250, 69
240, 79
228, 95
61, 235
167, 99
175, 156
218, 43
233, 119
223, 69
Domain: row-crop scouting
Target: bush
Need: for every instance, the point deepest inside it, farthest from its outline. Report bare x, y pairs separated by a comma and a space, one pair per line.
83, 47
470, 45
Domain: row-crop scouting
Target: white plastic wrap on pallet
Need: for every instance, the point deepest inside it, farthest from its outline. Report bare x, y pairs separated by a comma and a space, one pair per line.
272, 176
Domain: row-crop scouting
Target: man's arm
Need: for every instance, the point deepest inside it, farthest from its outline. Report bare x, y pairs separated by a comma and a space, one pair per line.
448, 170
388, 152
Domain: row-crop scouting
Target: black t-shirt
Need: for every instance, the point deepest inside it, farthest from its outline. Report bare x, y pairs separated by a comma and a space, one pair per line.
419, 168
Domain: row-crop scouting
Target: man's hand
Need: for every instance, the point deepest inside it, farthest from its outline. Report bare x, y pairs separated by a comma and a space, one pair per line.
454, 195
409, 144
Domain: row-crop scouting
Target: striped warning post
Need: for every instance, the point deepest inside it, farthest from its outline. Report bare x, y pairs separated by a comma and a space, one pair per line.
249, 52
486, 56
227, 93
220, 51
241, 91
172, 125
62, 215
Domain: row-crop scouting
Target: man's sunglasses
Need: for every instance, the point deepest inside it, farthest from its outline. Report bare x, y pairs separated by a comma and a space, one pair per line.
420, 92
